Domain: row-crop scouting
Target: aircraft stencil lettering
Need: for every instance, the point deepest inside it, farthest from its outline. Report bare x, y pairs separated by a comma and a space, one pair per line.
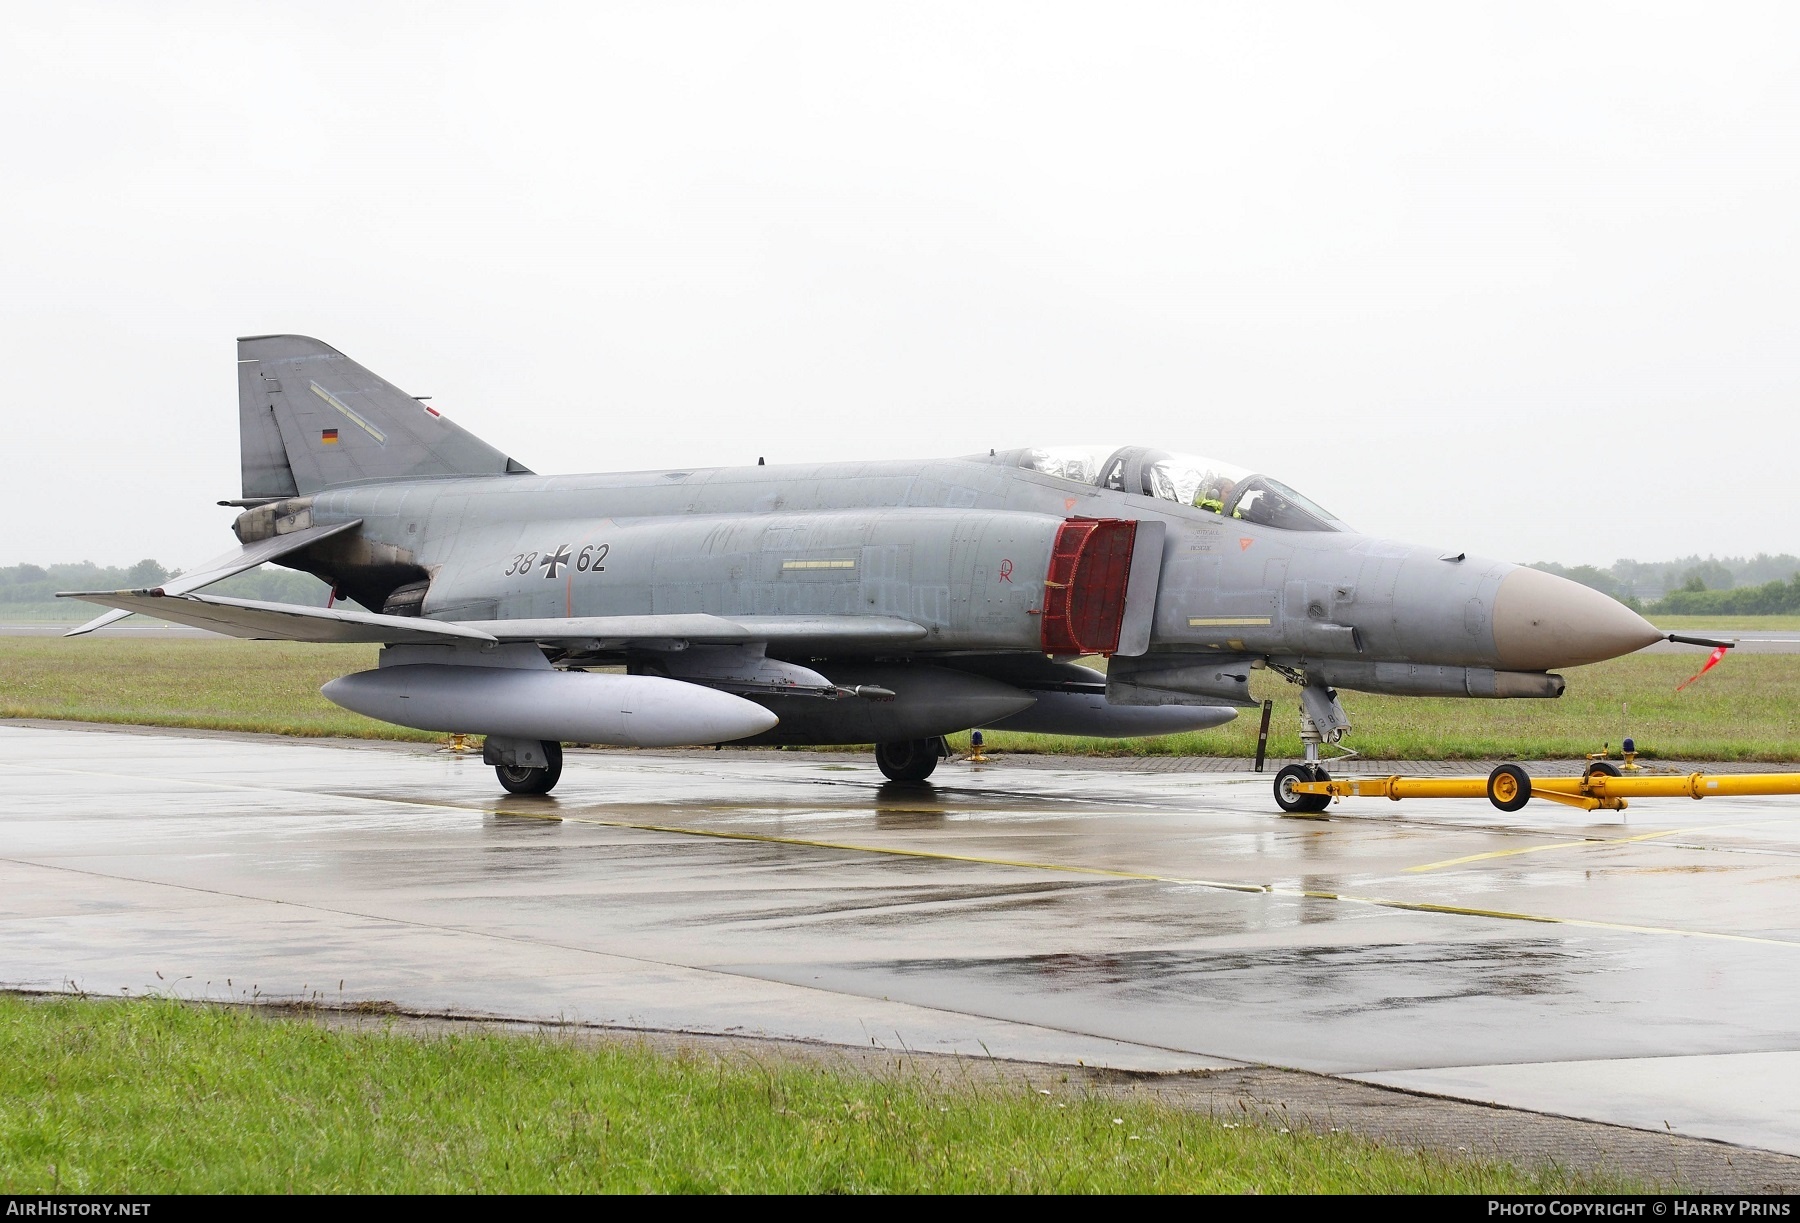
889, 602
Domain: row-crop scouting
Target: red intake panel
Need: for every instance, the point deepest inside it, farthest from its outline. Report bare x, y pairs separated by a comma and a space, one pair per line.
1084, 595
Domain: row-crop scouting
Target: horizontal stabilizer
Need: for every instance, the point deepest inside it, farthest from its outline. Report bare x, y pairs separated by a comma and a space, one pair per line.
260, 621
229, 564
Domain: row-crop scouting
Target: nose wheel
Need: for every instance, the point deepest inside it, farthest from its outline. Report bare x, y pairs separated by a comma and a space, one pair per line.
1322, 722
1294, 803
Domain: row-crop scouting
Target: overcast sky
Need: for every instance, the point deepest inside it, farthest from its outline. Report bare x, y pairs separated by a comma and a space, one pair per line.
1517, 279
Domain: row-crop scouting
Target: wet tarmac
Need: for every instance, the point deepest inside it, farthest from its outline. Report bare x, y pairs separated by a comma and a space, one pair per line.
1637, 970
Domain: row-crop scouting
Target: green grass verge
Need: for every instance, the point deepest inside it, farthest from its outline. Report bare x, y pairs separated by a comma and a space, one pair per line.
1748, 708
160, 1097
204, 683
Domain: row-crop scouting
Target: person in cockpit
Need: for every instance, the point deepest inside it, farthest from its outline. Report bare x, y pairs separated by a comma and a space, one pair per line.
1214, 494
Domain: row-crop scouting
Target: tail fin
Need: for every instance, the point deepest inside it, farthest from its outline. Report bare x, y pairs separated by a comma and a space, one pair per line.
309, 418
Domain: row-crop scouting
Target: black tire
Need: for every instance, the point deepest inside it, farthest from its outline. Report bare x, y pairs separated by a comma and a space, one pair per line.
1604, 767
1300, 804
1509, 787
525, 780
907, 760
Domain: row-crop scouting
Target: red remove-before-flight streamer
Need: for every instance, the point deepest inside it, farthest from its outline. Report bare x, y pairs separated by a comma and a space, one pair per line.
1711, 662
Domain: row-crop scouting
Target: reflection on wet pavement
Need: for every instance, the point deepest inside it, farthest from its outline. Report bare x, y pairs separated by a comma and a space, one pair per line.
1148, 920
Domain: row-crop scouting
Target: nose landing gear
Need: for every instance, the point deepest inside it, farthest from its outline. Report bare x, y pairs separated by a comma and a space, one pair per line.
1322, 721
1294, 803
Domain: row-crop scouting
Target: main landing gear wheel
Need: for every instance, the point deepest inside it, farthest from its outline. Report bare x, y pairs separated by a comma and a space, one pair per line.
907, 760
1295, 803
1509, 787
521, 779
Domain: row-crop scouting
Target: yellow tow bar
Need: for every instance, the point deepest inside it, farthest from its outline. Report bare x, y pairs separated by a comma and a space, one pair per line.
1305, 789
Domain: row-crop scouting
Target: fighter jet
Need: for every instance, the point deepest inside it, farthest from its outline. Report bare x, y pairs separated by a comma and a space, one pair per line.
890, 602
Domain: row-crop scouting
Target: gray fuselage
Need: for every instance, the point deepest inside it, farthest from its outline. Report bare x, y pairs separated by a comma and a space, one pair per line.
959, 546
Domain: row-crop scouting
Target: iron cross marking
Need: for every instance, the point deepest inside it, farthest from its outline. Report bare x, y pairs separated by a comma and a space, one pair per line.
553, 563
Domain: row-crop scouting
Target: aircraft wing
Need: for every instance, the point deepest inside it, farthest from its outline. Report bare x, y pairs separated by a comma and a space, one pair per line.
615, 632
230, 564
261, 621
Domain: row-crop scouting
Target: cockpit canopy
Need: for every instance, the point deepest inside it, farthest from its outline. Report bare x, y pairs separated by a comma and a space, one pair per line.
1185, 479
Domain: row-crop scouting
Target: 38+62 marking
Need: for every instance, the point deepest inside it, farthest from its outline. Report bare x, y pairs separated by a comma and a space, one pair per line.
588, 560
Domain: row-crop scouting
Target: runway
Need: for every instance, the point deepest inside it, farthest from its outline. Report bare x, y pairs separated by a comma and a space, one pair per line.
131, 627
1639, 971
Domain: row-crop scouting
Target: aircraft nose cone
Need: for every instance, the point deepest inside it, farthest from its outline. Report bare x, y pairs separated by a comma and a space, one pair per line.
1543, 621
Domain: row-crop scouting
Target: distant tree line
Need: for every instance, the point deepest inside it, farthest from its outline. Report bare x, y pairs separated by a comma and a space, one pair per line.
1769, 599
25, 584
1760, 585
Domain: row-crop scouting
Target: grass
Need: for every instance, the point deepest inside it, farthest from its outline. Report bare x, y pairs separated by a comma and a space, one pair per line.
1748, 708
205, 683
155, 1096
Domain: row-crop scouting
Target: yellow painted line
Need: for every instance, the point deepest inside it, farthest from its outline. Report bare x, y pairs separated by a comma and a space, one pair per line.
818, 564
1584, 923
1415, 906
1011, 863
1224, 621
1585, 841
891, 851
